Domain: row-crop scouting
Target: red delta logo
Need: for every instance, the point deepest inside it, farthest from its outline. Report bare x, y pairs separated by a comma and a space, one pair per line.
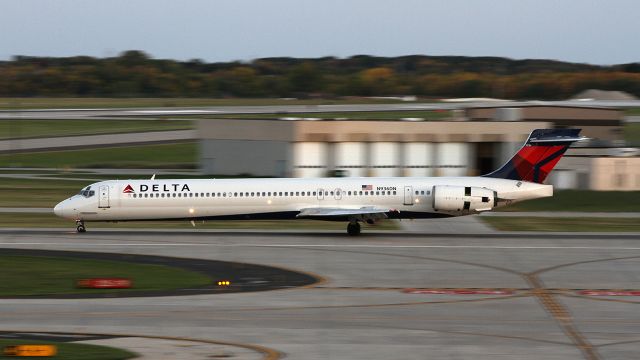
128, 189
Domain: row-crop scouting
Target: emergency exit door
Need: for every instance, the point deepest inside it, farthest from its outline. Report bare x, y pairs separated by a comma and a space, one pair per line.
103, 198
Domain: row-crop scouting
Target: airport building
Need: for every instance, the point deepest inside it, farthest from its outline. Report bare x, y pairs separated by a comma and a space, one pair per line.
316, 148
604, 124
474, 141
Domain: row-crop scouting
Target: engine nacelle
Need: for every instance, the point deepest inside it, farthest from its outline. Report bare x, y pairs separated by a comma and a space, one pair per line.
463, 198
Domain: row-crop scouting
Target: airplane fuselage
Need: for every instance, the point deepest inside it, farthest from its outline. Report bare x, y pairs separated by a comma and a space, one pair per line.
282, 198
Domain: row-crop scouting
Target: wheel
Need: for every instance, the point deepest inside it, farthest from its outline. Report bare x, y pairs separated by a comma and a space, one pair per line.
353, 229
81, 229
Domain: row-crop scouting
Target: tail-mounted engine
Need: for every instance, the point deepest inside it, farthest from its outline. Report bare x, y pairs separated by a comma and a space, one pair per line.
463, 198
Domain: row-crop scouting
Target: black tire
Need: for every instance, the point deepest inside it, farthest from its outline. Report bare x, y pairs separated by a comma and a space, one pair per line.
353, 229
81, 229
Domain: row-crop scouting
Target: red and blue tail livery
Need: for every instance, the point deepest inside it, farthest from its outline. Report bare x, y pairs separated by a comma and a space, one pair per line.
538, 156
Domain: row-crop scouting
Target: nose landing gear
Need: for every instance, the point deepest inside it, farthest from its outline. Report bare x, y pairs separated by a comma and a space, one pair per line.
80, 226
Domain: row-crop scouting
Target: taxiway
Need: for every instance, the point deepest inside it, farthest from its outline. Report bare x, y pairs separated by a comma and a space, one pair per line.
384, 295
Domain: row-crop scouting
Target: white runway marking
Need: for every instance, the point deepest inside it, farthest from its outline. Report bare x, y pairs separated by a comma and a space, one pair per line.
364, 246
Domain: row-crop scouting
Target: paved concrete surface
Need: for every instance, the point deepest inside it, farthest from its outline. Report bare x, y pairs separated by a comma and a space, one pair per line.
456, 225
93, 141
361, 310
281, 109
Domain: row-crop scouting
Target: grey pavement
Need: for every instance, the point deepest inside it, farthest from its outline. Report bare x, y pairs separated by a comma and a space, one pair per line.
281, 109
70, 142
360, 310
455, 225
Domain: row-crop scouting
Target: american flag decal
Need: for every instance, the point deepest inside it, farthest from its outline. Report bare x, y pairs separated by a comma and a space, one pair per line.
367, 187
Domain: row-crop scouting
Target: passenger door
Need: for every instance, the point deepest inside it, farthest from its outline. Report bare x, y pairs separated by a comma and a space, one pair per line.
103, 196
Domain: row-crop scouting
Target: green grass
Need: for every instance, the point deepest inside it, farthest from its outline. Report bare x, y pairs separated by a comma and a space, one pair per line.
36, 192
563, 224
72, 351
583, 200
27, 128
182, 155
45, 275
632, 133
40, 220
73, 103
632, 112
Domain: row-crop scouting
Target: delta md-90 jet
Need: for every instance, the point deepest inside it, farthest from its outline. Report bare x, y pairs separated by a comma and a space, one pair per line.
352, 200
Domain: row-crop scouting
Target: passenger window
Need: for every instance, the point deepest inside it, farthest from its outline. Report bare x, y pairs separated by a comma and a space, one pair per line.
422, 192
308, 193
246, 194
174, 194
377, 192
196, 194
157, 195
417, 192
314, 193
428, 192
162, 195
224, 194
360, 192
349, 193
297, 193
394, 192
280, 193
253, 194
263, 193
326, 193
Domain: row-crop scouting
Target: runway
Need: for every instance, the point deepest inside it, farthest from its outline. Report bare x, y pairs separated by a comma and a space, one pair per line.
384, 295
131, 113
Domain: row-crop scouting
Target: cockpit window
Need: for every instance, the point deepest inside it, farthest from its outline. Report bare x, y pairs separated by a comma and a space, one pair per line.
87, 192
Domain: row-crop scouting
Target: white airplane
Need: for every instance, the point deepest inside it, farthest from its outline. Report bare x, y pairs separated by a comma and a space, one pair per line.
353, 200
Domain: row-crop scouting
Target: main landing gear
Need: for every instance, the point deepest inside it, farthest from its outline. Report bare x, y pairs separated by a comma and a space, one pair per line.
80, 226
353, 229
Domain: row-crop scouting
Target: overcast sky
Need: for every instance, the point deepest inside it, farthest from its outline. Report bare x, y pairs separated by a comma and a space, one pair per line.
597, 32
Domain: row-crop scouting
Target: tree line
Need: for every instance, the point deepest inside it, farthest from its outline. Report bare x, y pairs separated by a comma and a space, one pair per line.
135, 74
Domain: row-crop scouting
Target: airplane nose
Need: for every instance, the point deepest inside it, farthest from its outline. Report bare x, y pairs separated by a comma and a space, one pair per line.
59, 209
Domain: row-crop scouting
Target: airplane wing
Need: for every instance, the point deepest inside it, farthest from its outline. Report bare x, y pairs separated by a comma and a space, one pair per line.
363, 213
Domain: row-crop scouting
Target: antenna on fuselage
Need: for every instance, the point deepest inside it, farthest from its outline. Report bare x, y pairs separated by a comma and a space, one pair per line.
153, 177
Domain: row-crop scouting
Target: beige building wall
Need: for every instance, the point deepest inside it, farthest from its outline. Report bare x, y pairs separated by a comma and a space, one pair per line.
615, 173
